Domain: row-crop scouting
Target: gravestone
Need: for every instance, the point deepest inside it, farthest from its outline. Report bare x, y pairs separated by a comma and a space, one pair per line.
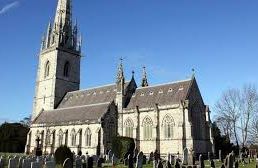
241, 157
35, 165
156, 155
209, 156
177, 165
201, 162
20, 162
230, 162
150, 159
90, 162
191, 158
50, 164
68, 163
185, 157
113, 160
1, 162
144, 160
100, 161
130, 161
135, 154
12, 163
212, 163
172, 159
26, 163
109, 155
160, 165
220, 157
236, 164
155, 163
139, 160
78, 163
168, 164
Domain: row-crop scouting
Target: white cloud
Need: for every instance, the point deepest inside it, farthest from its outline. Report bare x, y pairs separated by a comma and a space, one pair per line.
8, 7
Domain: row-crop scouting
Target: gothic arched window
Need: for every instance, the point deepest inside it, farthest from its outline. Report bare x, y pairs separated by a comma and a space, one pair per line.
60, 137
147, 128
48, 136
73, 138
88, 137
47, 69
66, 69
168, 124
128, 128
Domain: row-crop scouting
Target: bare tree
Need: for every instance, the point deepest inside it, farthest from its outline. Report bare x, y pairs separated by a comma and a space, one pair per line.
254, 131
249, 107
228, 111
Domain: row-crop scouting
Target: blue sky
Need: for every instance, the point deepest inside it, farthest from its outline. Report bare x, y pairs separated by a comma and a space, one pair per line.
218, 38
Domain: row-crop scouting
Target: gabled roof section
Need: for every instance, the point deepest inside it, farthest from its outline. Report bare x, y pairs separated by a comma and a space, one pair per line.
90, 96
86, 113
164, 94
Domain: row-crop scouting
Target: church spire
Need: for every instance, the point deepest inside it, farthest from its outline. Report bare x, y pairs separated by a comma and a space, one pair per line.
63, 17
62, 33
144, 78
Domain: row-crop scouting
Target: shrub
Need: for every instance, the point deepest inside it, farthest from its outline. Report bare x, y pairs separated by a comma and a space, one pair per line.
62, 153
122, 146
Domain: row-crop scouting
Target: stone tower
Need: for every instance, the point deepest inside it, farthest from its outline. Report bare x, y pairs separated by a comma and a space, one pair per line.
59, 60
120, 86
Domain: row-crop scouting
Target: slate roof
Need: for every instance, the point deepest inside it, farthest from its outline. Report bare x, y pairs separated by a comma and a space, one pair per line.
165, 94
86, 113
90, 96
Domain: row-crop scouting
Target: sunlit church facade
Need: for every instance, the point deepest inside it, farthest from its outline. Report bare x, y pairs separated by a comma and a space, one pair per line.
168, 117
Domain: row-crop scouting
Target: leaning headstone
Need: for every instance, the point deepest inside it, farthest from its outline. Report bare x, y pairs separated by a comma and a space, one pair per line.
160, 165
185, 157
168, 164
50, 164
68, 163
90, 162
78, 163
35, 165
201, 162
130, 161
139, 160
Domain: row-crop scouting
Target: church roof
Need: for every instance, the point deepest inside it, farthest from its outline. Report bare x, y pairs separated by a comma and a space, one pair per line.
86, 113
164, 94
95, 95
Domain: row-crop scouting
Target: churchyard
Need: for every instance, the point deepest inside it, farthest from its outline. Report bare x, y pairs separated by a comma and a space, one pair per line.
134, 160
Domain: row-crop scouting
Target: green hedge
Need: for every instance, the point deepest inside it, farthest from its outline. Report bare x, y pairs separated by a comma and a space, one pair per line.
122, 145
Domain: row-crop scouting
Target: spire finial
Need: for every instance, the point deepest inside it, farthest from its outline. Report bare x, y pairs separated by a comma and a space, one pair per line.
120, 73
144, 78
193, 72
133, 74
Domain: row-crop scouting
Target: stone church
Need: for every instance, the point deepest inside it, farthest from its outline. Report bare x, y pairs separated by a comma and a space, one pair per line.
168, 117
